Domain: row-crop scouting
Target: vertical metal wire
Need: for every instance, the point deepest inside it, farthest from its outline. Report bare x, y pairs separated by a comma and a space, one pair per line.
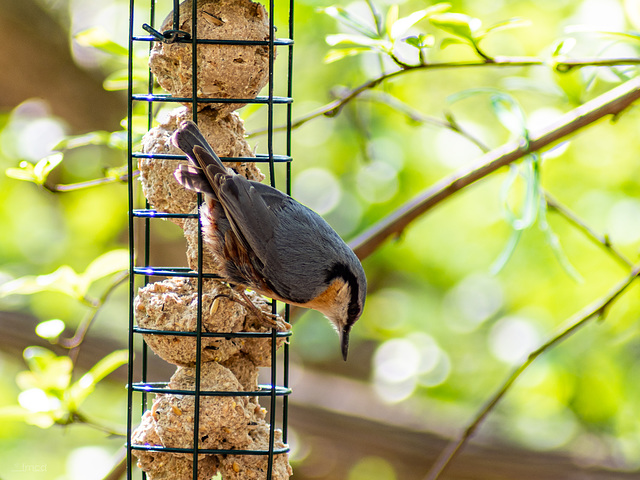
285, 373
194, 96
273, 391
131, 238
272, 173
147, 221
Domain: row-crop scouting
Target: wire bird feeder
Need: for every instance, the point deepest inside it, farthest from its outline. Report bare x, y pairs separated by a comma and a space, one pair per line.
206, 419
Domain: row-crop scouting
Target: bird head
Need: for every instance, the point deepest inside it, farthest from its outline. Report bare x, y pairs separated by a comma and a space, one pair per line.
343, 300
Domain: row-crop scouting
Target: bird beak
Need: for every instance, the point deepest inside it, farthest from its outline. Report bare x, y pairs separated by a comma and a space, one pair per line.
344, 342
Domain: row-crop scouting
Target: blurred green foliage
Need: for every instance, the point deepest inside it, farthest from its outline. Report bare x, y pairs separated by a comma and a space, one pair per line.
447, 329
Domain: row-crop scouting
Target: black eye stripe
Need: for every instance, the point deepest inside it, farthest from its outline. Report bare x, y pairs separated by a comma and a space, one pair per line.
341, 270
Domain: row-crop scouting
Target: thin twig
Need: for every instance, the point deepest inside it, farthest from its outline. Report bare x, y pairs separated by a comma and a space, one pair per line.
577, 222
81, 418
595, 310
70, 187
416, 116
566, 65
552, 203
331, 109
612, 102
75, 342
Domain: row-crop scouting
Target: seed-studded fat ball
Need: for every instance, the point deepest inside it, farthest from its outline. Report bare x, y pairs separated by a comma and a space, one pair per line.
224, 71
224, 131
167, 465
172, 304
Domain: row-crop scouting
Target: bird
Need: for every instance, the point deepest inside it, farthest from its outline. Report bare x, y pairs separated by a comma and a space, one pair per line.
270, 243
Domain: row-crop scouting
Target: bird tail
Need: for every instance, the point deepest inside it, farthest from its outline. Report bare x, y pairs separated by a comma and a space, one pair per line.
205, 164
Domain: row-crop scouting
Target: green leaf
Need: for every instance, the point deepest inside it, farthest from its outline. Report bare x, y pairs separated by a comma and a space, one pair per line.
413, 41
451, 41
338, 54
563, 46
63, 280
556, 246
116, 81
21, 414
50, 329
86, 384
392, 17
506, 189
109, 263
47, 371
401, 25
504, 25
348, 19
25, 172
119, 79
507, 252
98, 37
458, 24
436, 9
139, 125
118, 140
532, 197
571, 82
352, 39
45, 166
37, 173
531, 200
421, 41
98, 137
472, 92
14, 412
37, 358
509, 113
116, 173
66, 280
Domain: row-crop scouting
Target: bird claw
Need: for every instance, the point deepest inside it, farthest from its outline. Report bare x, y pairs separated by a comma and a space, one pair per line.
269, 320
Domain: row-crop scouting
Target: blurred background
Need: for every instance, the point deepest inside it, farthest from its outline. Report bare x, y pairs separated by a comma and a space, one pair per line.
449, 313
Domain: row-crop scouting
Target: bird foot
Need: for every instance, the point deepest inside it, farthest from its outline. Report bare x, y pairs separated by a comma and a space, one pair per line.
269, 320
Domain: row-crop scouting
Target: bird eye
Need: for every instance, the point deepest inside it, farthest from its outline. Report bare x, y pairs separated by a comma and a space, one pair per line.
353, 311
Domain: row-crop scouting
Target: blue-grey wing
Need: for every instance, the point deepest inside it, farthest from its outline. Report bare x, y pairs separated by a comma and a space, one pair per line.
292, 244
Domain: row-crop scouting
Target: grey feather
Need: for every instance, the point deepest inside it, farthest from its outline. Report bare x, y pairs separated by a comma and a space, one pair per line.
188, 135
287, 237
291, 246
193, 179
190, 140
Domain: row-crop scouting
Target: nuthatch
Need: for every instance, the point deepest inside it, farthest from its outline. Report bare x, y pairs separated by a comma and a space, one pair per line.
270, 243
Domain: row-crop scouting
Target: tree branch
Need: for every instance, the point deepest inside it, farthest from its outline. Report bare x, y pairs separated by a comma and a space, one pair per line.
333, 108
579, 320
612, 102
567, 64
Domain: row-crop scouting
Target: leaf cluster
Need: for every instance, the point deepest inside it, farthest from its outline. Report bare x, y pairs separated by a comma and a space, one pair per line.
391, 32
49, 396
